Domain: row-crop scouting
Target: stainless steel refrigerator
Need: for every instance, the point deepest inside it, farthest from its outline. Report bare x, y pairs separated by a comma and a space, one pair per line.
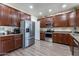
27, 28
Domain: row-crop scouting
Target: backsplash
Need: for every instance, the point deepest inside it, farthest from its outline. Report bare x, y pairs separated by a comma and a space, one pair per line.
6, 28
58, 29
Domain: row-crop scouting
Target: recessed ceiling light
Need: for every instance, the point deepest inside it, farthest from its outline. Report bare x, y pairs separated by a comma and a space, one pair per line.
31, 7
50, 10
40, 13
64, 6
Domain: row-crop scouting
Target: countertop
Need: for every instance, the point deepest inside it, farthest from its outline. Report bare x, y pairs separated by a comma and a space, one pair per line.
75, 36
9, 35
63, 32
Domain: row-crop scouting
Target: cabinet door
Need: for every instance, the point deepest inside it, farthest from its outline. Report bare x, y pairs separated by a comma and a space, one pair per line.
5, 47
43, 22
18, 41
2, 15
7, 44
66, 39
71, 19
5, 15
77, 17
52, 18
57, 37
60, 20
10, 43
25, 16
18, 19
42, 36
15, 17
1, 50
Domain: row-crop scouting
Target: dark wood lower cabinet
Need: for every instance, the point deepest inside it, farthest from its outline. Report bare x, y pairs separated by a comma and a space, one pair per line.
62, 38
67, 39
9, 43
18, 41
6, 44
42, 36
57, 37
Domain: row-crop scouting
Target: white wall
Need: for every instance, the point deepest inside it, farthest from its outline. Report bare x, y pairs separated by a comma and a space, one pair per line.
37, 27
33, 18
37, 30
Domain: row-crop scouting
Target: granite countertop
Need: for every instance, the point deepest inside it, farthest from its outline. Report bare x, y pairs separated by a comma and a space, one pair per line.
63, 32
76, 36
9, 35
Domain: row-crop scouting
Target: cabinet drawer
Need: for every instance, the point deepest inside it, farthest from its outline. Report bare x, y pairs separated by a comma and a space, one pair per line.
18, 43
18, 36
42, 35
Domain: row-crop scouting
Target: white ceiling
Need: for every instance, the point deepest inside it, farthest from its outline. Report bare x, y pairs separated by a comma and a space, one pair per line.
42, 7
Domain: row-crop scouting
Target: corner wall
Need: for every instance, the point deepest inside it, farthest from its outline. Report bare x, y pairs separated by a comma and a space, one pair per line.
37, 27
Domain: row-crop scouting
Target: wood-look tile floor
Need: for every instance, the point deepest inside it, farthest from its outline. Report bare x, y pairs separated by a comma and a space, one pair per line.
42, 48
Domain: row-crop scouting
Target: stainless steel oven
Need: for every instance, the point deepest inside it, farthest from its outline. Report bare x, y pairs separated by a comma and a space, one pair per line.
48, 35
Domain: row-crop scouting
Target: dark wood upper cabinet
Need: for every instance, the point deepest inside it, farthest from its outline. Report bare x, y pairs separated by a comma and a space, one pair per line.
25, 16
5, 18
43, 23
11, 17
60, 20
16, 18
77, 17
71, 18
